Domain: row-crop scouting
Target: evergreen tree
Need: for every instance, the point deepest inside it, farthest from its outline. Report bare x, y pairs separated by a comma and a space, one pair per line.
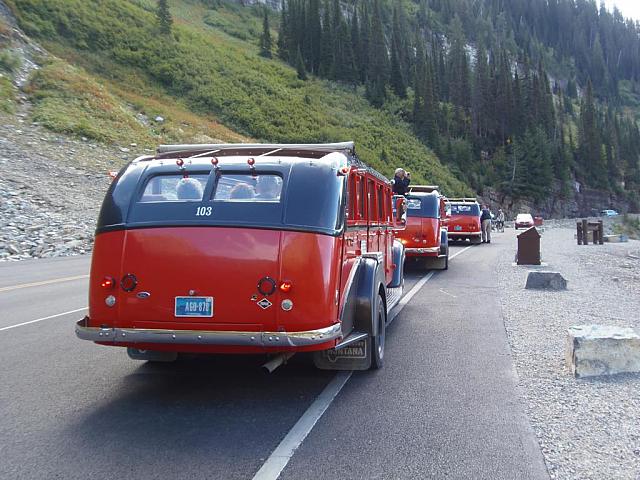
164, 18
283, 33
419, 83
266, 43
326, 51
300, 68
378, 74
459, 79
398, 82
481, 89
365, 40
312, 36
594, 171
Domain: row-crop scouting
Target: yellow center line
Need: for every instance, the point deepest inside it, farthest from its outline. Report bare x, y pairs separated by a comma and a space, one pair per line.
44, 282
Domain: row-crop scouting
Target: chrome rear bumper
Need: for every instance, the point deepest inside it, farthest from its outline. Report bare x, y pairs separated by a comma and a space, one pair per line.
413, 251
463, 234
208, 337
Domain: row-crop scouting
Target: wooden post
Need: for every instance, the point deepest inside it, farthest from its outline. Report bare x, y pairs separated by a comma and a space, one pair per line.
579, 232
585, 232
601, 233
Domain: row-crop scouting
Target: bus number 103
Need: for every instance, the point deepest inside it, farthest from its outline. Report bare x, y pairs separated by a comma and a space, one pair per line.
203, 212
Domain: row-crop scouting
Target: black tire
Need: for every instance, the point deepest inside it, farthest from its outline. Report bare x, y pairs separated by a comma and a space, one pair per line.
446, 261
378, 341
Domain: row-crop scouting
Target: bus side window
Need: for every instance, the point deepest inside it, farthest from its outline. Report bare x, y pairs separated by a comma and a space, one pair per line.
387, 197
381, 211
371, 194
360, 199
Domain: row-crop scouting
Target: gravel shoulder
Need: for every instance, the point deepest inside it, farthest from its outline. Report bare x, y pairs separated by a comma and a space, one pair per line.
587, 429
51, 189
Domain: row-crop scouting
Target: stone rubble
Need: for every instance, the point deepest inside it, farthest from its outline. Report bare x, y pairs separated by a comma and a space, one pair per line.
51, 189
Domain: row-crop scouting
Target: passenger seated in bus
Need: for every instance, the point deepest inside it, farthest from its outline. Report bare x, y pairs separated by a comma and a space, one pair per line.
189, 189
242, 191
268, 188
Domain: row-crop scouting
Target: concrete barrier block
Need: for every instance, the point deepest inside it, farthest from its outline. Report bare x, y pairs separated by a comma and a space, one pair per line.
545, 281
593, 350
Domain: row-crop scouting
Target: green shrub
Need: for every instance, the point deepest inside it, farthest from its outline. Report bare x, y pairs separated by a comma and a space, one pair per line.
7, 95
628, 225
9, 61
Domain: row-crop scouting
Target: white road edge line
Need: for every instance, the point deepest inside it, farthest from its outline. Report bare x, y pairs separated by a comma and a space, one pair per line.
279, 458
44, 282
42, 319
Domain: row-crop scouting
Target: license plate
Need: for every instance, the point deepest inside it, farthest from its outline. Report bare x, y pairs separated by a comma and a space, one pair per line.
194, 307
457, 228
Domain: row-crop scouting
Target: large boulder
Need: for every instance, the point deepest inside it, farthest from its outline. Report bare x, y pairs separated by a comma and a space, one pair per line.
545, 281
593, 350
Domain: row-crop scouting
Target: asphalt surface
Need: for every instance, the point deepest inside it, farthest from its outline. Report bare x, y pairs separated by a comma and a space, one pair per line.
445, 405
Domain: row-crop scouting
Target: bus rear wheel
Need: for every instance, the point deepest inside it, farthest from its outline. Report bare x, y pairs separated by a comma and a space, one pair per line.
378, 340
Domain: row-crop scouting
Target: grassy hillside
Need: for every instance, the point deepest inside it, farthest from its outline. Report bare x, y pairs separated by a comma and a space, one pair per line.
207, 67
69, 100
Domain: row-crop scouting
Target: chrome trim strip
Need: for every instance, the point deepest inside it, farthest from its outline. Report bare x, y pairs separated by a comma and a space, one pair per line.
423, 250
208, 337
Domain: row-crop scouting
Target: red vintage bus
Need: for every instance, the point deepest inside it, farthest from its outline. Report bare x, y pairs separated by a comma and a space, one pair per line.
425, 238
465, 220
247, 249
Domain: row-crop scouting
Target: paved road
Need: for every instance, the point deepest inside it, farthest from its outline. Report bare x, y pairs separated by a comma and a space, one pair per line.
444, 406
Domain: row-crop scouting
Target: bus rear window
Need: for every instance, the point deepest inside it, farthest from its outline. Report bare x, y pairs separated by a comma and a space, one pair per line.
414, 204
248, 188
471, 210
174, 188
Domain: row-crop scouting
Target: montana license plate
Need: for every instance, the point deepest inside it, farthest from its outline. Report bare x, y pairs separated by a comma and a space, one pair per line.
457, 228
194, 307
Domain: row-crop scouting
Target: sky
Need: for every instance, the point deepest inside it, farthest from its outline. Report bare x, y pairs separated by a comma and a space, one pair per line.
629, 8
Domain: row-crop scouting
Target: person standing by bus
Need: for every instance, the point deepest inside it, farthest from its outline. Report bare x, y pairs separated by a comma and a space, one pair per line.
485, 222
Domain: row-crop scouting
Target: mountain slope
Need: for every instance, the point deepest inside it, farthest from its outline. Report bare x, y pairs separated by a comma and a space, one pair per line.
212, 73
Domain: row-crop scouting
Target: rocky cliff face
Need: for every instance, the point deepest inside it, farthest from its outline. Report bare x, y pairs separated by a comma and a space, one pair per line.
275, 4
584, 203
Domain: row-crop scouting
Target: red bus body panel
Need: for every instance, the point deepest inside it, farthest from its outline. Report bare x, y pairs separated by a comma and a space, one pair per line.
422, 233
464, 225
223, 263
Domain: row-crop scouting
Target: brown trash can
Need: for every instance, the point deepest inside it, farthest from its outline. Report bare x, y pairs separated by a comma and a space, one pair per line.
529, 247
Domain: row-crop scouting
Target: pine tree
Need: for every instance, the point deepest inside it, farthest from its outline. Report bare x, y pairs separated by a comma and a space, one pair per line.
459, 79
283, 33
419, 82
590, 150
378, 74
164, 18
481, 93
266, 43
398, 82
326, 52
313, 41
300, 68
365, 39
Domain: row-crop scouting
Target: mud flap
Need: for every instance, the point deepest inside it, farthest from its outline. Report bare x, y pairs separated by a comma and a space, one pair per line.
356, 356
